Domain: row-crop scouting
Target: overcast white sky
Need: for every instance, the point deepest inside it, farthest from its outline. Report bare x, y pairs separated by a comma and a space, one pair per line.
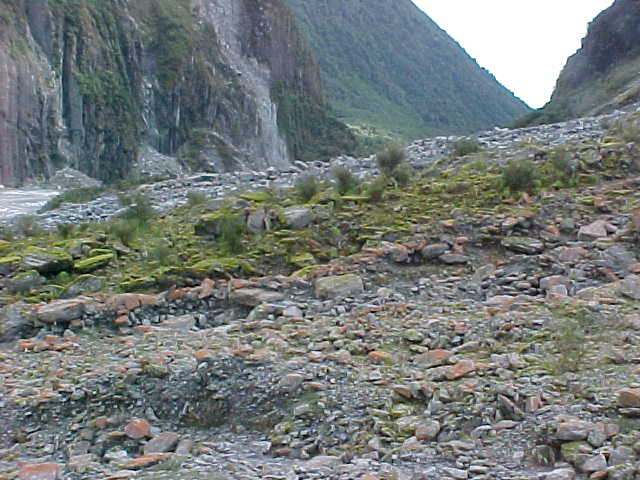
524, 43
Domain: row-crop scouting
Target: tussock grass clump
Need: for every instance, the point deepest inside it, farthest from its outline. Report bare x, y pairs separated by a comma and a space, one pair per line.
389, 159
519, 176
346, 181
403, 174
232, 229
161, 253
195, 198
375, 189
140, 209
65, 230
465, 146
126, 231
307, 187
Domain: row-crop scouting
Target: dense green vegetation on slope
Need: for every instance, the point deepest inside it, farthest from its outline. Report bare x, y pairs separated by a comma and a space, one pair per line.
386, 65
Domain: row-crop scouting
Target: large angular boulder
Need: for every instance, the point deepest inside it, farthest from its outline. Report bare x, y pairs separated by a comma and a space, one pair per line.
15, 321
61, 311
338, 286
25, 281
252, 297
298, 217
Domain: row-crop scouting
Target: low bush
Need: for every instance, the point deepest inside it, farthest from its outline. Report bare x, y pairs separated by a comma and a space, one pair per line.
140, 209
232, 229
346, 181
195, 198
126, 231
65, 230
389, 159
376, 189
403, 174
465, 146
161, 253
519, 176
307, 187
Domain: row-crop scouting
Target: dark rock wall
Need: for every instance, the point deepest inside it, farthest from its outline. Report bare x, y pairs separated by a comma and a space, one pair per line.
92, 84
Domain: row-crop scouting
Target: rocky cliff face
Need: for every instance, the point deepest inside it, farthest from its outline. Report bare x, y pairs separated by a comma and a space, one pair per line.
100, 85
604, 73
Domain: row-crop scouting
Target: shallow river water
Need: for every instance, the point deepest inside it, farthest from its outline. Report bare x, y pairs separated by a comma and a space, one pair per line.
22, 201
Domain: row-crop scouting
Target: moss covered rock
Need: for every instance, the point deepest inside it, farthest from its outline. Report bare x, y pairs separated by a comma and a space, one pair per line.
83, 284
25, 281
46, 262
9, 265
92, 264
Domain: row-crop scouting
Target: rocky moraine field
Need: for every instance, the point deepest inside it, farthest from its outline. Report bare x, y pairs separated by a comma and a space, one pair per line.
468, 308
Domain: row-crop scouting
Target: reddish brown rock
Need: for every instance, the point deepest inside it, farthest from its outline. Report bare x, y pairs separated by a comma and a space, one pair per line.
461, 369
138, 428
147, 460
629, 398
40, 471
380, 356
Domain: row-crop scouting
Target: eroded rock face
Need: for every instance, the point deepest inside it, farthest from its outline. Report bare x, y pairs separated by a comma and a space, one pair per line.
610, 48
96, 86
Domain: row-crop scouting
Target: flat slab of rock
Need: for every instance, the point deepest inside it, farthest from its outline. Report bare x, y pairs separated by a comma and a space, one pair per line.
338, 286
162, 443
252, 297
40, 471
527, 245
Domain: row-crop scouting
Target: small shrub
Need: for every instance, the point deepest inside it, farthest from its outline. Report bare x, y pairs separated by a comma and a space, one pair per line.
561, 161
232, 228
307, 187
465, 146
346, 181
162, 253
140, 209
27, 225
403, 174
126, 231
195, 198
375, 190
65, 230
389, 159
630, 134
519, 176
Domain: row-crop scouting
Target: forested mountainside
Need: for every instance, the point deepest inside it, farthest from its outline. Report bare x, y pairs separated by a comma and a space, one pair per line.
605, 73
386, 64
99, 85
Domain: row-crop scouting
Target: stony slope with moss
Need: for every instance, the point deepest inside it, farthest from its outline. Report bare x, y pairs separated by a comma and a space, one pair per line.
480, 320
390, 70
603, 74
108, 87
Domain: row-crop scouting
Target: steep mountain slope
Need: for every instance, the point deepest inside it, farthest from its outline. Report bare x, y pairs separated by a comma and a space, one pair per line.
605, 73
387, 64
98, 86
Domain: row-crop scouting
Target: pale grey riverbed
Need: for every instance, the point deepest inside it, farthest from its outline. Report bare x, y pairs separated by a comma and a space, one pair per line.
15, 202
